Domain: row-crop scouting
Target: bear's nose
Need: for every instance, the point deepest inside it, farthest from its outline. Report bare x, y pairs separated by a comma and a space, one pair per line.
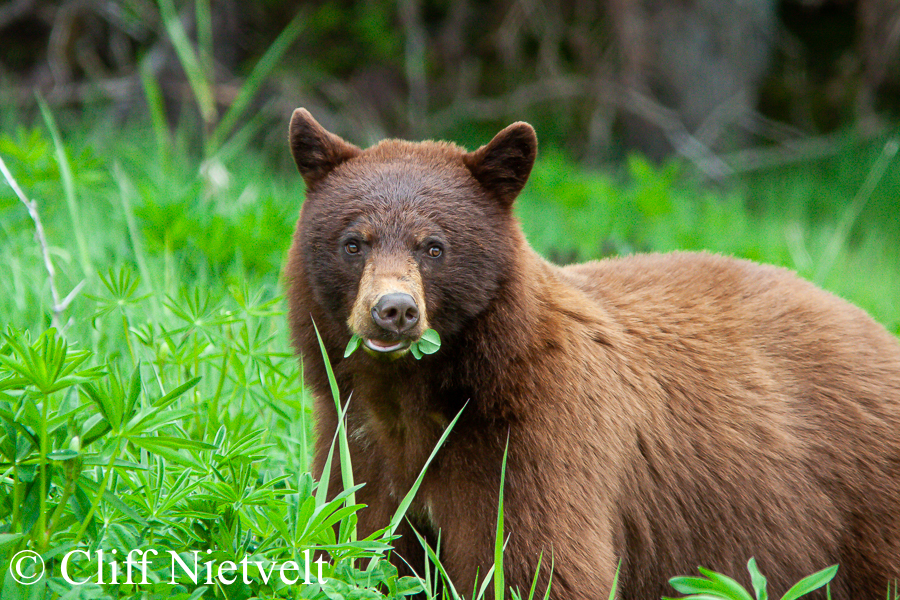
397, 312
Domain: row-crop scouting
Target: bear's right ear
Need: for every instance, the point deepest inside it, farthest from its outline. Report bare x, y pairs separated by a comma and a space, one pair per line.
316, 151
503, 165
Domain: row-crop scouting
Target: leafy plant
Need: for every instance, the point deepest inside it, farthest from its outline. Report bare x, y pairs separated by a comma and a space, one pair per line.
94, 460
196, 60
715, 586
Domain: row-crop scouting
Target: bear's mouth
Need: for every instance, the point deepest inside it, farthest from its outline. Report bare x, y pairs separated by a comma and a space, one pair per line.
379, 346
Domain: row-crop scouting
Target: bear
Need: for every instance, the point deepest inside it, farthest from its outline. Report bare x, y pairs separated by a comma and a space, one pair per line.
659, 411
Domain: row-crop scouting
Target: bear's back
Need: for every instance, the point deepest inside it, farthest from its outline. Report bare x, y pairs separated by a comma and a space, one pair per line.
690, 314
734, 300
781, 385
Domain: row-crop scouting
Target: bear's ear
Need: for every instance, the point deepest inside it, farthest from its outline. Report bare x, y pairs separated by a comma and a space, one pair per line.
316, 151
503, 165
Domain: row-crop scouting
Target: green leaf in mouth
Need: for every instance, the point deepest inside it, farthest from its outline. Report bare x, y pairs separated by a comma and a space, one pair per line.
355, 342
429, 343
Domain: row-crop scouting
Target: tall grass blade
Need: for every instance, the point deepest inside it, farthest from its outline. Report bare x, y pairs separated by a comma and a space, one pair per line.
615, 582
237, 143
260, 71
346, 467
537, 573
197, 78
499, 578
488, 580
842, 232
65, 171
436, 561
157, 108
203, 22
325, 479
126, 192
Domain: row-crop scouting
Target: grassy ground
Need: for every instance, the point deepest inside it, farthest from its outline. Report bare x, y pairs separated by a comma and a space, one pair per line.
171, 413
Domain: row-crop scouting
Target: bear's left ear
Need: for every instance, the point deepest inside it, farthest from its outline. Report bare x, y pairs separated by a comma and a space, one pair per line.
316, 150
503, 165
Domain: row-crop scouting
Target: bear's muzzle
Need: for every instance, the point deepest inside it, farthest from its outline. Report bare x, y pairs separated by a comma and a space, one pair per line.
389, 311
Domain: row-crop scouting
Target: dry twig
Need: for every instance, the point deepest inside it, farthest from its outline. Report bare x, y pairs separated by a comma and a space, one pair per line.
59, 306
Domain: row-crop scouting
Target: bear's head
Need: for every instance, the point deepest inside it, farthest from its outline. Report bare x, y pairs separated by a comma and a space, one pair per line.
403, 237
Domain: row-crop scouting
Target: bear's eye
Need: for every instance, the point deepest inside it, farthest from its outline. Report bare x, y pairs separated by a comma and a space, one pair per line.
435, 251
352, 247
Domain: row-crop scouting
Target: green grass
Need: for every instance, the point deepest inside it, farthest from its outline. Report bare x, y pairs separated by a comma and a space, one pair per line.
169, 412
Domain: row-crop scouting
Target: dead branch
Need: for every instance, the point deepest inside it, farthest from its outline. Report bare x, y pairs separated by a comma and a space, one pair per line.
59, 306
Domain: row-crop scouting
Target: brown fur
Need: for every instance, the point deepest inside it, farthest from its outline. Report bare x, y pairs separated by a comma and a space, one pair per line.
667, 411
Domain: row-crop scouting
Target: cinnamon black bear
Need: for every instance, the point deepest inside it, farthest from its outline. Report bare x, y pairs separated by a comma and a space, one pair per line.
667, 411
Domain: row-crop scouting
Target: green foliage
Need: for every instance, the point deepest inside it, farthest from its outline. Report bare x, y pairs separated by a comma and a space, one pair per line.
353, 345
196, 60
370, 28
499, 541
429, 343
715, 586
34, 162
172, 457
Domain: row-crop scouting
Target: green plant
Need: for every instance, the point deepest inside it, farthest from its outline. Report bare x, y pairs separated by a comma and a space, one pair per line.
95, 460
196, 60
442, 585
715, 586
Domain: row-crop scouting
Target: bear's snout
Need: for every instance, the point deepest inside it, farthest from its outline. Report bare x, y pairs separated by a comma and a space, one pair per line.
390, 311
396, 312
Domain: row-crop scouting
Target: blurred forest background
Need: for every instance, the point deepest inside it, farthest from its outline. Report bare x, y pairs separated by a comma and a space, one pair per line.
597, 77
